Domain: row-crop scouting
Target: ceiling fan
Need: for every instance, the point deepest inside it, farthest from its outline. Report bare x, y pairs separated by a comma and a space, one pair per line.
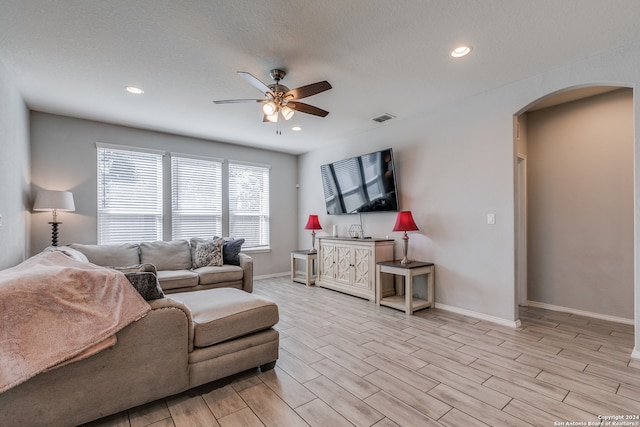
279, 99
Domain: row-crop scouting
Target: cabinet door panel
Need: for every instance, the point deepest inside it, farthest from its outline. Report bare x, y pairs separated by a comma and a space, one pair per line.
344, 264
327, 261
362, 276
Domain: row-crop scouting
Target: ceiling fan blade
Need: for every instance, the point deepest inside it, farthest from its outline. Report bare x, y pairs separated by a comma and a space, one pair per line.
309, 109
308, 90
236, 101
253, 81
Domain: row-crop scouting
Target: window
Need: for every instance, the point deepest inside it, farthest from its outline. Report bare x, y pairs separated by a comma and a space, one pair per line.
249, 204
130, 205
129, 195
196, 197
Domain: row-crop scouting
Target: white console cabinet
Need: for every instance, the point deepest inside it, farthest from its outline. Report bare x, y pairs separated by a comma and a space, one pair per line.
349, 265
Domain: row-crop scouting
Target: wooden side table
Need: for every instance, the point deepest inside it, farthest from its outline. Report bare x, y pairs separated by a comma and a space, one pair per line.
310, 259
406, 302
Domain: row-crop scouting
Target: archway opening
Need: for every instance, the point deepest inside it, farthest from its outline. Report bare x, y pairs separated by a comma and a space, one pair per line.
574, 202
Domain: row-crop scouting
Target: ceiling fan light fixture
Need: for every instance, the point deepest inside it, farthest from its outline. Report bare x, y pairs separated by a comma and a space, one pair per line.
273, 117
268, 108
287, 112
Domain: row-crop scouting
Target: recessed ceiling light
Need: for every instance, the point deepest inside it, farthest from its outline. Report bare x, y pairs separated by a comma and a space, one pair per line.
460, 51
296, 128
134, 90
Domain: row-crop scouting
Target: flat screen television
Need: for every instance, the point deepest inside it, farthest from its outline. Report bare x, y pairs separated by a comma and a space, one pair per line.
364, 183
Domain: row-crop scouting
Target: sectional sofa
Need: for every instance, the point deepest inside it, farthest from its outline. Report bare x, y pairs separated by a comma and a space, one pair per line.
187, 339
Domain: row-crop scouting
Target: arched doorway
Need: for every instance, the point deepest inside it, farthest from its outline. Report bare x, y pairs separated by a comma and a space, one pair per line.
574, 202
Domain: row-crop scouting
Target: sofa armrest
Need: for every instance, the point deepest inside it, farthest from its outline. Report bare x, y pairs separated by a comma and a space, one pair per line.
169, 304
246, 262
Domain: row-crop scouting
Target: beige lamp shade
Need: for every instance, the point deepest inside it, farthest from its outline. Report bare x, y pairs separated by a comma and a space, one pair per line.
50, 200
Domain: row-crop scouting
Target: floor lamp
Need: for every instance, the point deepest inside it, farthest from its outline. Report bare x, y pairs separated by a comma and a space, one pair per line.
54, 201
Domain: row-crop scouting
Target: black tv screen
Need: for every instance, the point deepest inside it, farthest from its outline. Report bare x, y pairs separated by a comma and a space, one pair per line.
364, 183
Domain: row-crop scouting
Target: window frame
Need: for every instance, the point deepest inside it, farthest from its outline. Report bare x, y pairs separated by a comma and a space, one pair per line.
263, 241
150, 162
215, 210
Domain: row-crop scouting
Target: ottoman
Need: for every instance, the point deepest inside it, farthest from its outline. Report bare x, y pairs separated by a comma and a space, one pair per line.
230, 328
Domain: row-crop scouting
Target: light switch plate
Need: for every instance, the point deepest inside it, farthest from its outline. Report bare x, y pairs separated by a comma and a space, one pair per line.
491, 219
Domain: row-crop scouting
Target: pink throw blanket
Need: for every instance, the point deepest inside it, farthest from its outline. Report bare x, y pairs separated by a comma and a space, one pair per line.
54, 309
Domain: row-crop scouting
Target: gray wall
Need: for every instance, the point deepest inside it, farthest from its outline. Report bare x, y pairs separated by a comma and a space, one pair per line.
14, 173
580, 198
64, 158
456, 164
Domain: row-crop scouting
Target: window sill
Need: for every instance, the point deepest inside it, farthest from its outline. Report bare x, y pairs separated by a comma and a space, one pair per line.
256, 250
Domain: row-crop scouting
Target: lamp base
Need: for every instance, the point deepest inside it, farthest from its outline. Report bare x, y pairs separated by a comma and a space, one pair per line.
405, 249
54, 233
313, 242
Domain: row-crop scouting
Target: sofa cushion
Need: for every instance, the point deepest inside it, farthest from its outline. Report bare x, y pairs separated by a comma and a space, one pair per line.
110, 255
224, 273
208, 253
173, 255
175, 279
226, 313
231, 251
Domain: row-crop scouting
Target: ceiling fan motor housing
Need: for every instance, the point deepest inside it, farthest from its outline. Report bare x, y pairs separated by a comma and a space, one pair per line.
278, 89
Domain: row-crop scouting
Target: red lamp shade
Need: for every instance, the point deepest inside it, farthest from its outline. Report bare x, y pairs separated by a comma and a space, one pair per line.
313, 223
405, 222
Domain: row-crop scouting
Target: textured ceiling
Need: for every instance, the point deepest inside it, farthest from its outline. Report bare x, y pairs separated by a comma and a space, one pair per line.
75, 57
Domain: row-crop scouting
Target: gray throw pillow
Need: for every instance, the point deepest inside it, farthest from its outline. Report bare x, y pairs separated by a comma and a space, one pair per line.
231, 251
208, 253
144, 278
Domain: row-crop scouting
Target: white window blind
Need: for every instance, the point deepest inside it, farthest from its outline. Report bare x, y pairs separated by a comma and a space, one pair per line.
129, 195
249, 204
196, 197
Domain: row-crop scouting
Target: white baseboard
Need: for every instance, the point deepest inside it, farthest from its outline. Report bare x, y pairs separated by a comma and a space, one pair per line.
271, 276
581, 312
481, 316
635, 354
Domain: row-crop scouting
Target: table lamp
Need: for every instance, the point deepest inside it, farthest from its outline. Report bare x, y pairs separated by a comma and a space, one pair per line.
54, 201
313, 224
405, 222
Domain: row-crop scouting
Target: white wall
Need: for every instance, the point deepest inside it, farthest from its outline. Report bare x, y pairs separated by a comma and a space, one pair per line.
456, 164
580, 198
14, 173
64, 158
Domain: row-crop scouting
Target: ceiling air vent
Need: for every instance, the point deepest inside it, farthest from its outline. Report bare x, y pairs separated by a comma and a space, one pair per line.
383, 118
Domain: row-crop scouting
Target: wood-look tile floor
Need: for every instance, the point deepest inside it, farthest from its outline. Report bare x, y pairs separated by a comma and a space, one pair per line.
346, 362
